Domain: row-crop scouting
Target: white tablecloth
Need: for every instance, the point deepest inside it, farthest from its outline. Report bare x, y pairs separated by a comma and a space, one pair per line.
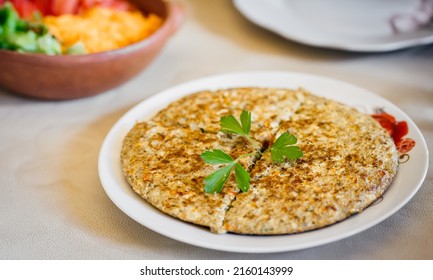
52, 204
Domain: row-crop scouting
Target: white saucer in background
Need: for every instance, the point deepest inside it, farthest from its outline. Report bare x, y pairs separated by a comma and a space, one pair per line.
363, 26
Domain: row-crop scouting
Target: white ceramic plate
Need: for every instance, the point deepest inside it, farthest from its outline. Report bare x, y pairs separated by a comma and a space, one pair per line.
410, 177
366, 26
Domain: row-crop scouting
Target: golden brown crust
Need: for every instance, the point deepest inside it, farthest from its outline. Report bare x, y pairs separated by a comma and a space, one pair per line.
348, 162
163, 165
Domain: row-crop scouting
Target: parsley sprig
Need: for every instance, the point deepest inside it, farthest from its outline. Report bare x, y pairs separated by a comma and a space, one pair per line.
282, 149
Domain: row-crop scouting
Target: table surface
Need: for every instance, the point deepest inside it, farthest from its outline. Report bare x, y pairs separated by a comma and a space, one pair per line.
52, 204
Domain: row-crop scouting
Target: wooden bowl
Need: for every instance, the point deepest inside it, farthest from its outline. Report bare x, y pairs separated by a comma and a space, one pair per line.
75, 76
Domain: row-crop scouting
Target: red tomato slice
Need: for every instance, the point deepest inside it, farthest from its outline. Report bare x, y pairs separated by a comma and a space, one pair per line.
117, 5
25, 8
44, 6
85, 4
120, 5
60, 7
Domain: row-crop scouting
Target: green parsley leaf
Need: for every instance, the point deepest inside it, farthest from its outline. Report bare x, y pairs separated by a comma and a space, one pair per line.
216, 157
216, 181
283, 148
246, 121
229, 124
242, 178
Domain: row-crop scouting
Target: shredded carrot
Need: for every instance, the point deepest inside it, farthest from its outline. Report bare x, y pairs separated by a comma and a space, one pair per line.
102, 29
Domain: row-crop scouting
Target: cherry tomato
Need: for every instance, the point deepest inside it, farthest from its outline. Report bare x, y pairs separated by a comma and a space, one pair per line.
117, 5
44, 6
61, 7
25, 8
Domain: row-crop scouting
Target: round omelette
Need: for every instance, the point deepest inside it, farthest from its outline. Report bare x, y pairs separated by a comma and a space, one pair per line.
349, 161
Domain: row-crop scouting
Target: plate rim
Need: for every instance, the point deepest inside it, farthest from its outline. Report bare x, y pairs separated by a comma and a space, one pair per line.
356, 47
107, 145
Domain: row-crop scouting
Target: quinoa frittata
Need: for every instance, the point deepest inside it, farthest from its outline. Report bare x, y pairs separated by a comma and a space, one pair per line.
349, 161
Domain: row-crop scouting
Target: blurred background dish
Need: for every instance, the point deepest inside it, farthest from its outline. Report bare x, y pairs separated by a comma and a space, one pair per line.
362, 26
74, 76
